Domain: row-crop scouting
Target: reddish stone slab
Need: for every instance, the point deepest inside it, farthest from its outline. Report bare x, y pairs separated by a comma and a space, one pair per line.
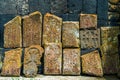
110, 63
91, 64
90, 38
12, 63
70, 34
51, 29
88, 21
71, 62
53, 58
12, 33
32, 29
32, 57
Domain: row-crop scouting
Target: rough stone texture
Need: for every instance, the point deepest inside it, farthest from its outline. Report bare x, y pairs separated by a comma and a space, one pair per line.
32, 29
109, 40
114, 1
90, 38
88, 21
32, 57
110, 63
12, 63
51, 29
70, 34
12, 33
91, 64
53, 58
71, 62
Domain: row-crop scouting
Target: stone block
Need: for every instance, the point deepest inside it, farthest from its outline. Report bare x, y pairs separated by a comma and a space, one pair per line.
12, 33
91, 64
32, 29
51, 29
110, 63
53, 58
12, 63
88, 21
32, 57
90, 38
71, 61
109, 40
70, 34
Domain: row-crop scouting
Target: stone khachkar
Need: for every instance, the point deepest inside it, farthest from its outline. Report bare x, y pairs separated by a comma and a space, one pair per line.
12, 33
51, 29
91, 64
88, 21
32, 29
70, 34
12, 63
71, 61
90, 38
53, 58
32, 57
109, 49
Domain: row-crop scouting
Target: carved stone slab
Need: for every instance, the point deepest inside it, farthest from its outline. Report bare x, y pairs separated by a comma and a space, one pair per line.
53, 58
12, 63
90, 38
32, 57
88, 21
12, 33
91, 64
32, 29
71, 61
51, 29
70, 34
109, 40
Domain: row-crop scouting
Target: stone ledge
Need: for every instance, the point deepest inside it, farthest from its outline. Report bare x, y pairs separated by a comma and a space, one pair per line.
42, 77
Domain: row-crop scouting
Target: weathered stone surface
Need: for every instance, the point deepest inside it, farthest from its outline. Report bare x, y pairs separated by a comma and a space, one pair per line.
53, 58
12, 33
110, 63
32, 57
71, 62
109, 40
90, 38
70, 34
88, 20
91, 64
52, 29
114, 1
12, 63
32, 29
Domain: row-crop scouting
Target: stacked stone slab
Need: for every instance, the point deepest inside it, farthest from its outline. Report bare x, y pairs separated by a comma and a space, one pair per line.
71, 48
32, 29
12, 63
109, 49
12, 33
52, 44
32, 57
114, 12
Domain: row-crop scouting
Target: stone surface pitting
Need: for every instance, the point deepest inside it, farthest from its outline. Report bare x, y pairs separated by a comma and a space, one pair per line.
51, 29
71, 61
53, 58
12, 33
110, 63
70, 34
91, 64
32, 57
32, 29
90, 38
12, 63
88, 21
109, 40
